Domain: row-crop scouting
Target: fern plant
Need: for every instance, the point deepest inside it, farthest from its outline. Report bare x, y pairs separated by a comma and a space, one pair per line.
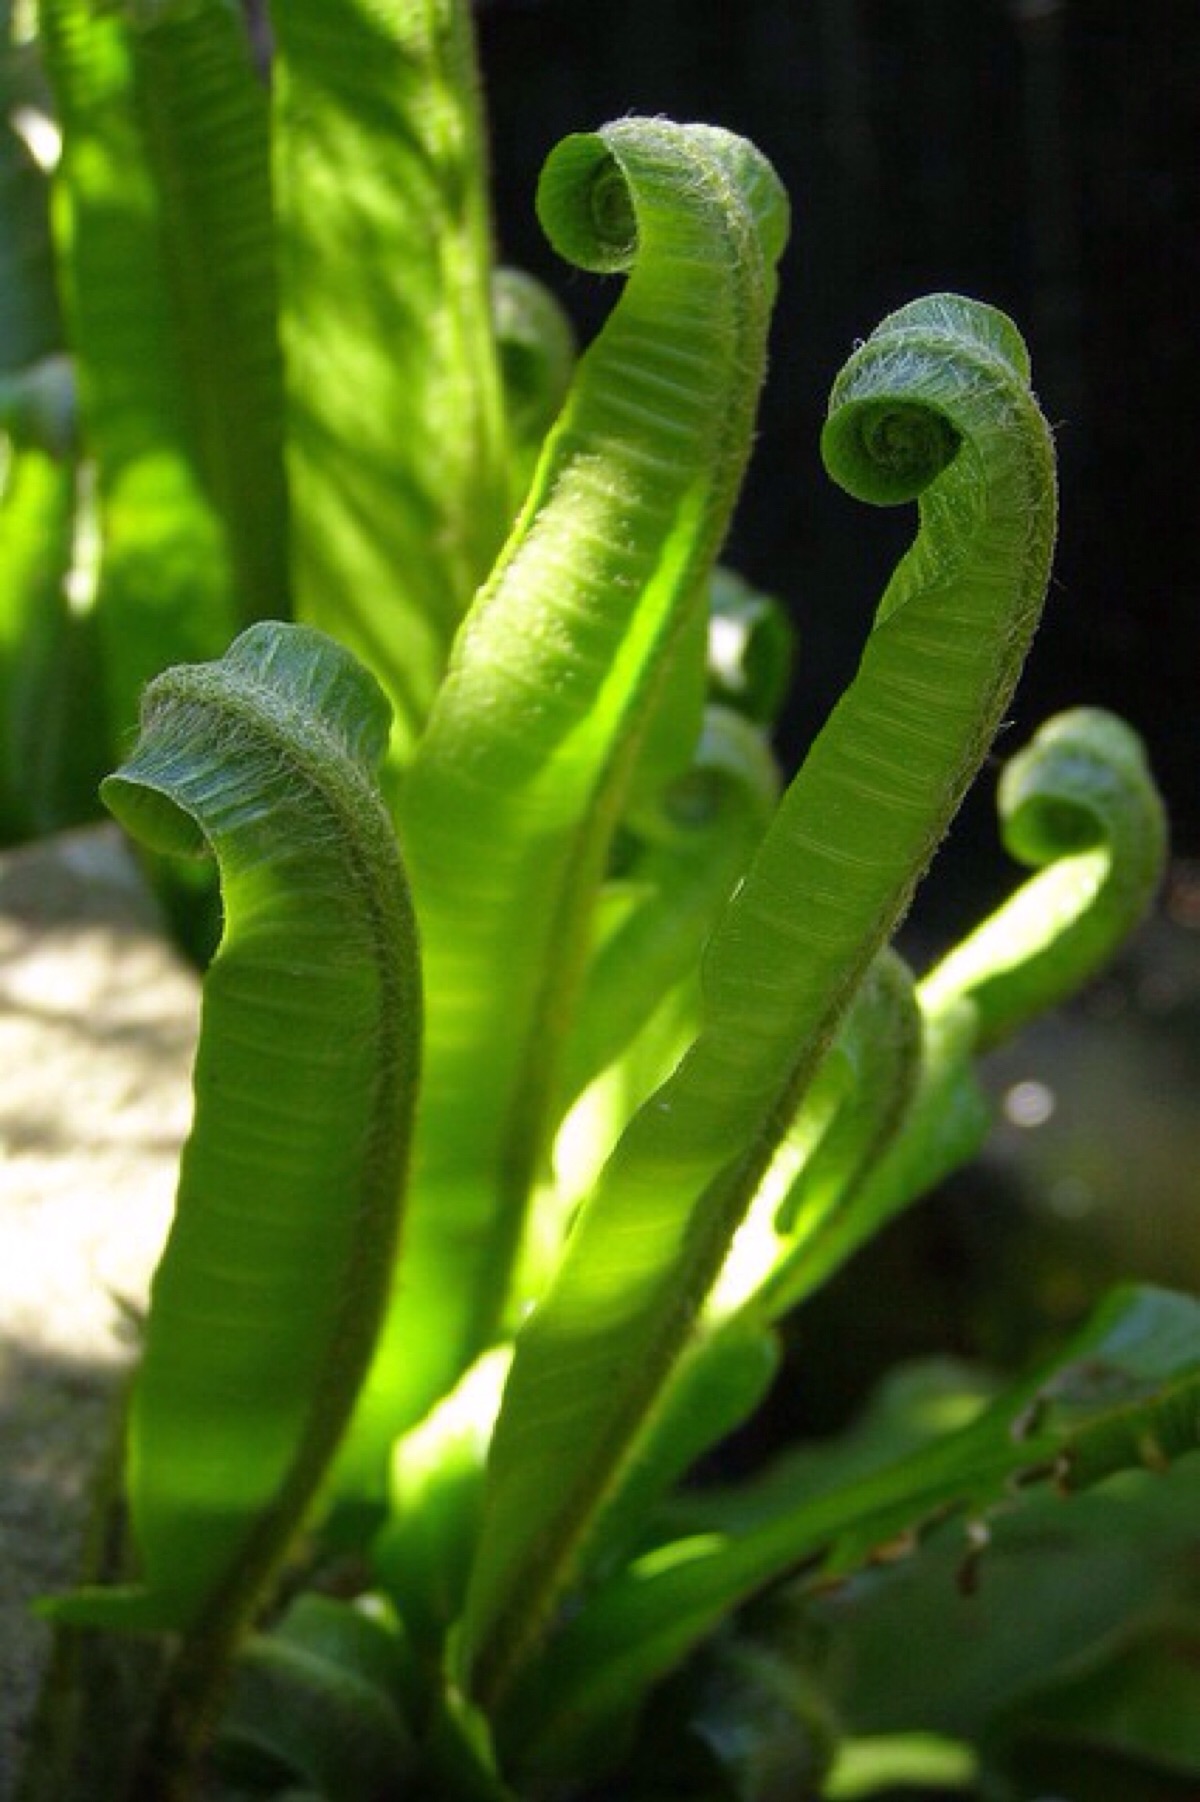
554, 1050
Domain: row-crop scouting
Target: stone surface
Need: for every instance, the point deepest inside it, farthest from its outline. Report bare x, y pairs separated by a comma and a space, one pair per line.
97, 1026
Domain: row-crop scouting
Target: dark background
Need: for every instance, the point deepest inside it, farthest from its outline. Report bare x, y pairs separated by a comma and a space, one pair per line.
1040, 154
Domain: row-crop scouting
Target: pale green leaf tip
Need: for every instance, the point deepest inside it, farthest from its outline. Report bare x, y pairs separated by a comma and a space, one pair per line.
287, 667
316, 673
963, 320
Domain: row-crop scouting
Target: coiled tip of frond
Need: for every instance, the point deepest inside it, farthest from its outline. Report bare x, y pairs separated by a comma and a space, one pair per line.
1082, 778
603, 196
585, 206
935, 372
887, 451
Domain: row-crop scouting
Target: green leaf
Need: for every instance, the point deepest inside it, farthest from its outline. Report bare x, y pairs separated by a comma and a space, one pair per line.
317, 1700
204, 115
1124, 1393
935, 404
397, 453
266, 1303
166, 582
51, 726
1079, 800
510, 805
1066, 1628
1054, 1592
853, 1106
923, 1763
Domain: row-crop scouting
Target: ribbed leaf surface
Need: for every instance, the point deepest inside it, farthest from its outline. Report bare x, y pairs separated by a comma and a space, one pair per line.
265, 1306
204, 114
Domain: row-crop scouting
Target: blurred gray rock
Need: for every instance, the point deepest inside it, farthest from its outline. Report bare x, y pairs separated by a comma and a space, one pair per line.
97, 1026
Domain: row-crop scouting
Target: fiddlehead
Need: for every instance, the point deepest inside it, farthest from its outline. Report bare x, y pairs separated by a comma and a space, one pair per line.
1079, 805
